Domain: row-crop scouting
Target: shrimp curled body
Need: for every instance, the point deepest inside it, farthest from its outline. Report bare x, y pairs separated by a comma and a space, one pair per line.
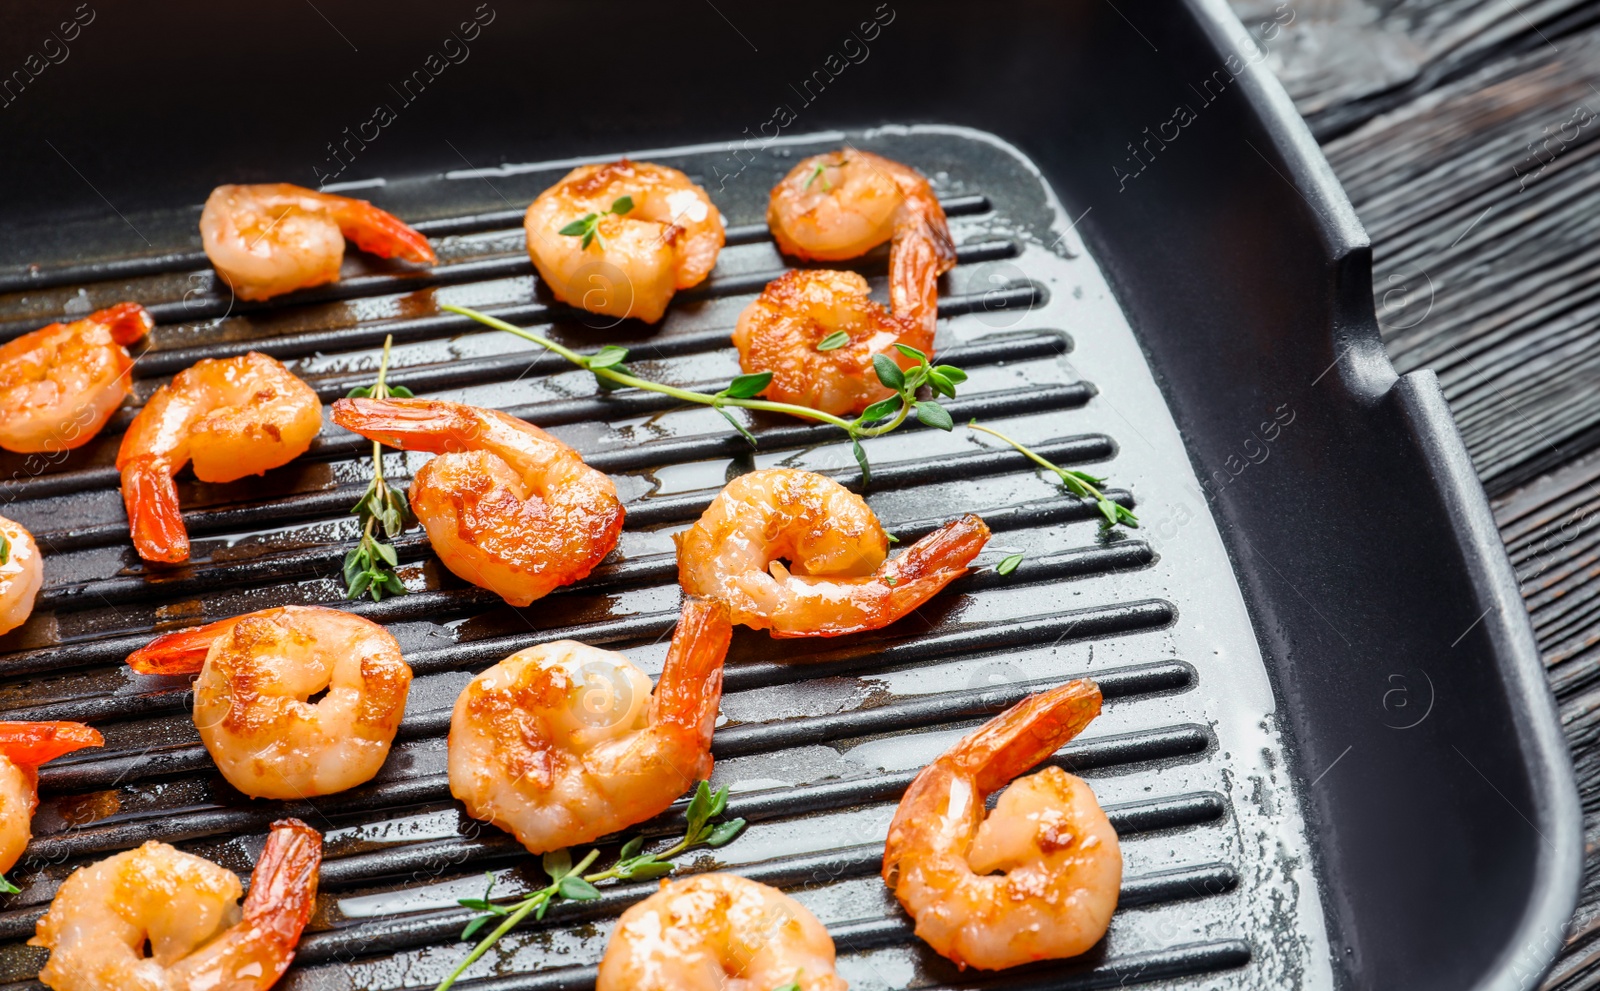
563, 743
186, 908
1038, 878
21, 576
250, 703
667, 238
506, 506
232, 417
60, 384
718, 932
838, 579
272, 238
23, 747
828, 208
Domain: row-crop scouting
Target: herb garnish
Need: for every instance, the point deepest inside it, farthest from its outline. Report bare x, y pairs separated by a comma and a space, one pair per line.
5, 558
368, 567
588, 225
876, 420
567, 879
833, 341
1079, 483
6, 887
1008, 564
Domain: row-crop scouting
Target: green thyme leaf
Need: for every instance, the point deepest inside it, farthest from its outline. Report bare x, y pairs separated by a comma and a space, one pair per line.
1008, 564
588, 236
5, 558
833, 341
934, 415
746, 434
583, 225
748, 386
892, 538
621, 205
649, 870
631, 848
699, 809
557, 864
880, 409
910, 352
889, 373
724, 832
400, 392
861, 459
7, 888
477, 923
579, 890
608, 356
941, 384
955, 375
360, 392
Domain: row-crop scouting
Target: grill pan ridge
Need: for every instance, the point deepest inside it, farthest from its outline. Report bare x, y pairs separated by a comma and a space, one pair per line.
1283, 825
817, 739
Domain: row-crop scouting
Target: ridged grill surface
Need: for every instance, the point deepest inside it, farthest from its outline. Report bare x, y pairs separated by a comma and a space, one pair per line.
817, 739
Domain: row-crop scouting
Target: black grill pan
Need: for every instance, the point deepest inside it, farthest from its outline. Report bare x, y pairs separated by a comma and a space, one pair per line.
1327, 746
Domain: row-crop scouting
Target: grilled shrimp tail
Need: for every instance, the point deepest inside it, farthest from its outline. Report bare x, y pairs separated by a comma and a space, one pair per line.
411, 424
921, 252
283, 887
1029, 732
253, 954
151, 499
32, 744
382, 233
127, 322
691, 679
183, 652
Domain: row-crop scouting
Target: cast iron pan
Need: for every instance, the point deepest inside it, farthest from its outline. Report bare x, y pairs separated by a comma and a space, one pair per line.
1328, 746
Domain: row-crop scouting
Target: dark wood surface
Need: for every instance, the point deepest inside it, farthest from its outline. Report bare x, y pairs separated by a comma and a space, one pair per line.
1467, 135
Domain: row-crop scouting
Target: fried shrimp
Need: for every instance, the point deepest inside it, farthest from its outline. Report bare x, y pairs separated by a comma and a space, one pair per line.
60, 384
186, 910
232, 417
257, 672
506, 506
1038, 878
563, 743
21, 575
837, 579
621, 238
829, 208
718, 932
23, 747
845, 203
272, 238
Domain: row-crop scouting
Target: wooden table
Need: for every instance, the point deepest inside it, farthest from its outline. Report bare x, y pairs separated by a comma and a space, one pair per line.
1465, 133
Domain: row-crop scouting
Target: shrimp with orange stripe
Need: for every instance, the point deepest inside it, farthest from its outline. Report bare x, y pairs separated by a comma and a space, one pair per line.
506, 506
23, 747
60, 384
251, 701
829, 208
839, 578
231, 417
1038, 877
272, 238
158, 919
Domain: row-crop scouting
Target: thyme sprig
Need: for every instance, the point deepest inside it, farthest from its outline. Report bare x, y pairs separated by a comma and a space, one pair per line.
568, 880
876, 420
7, 888
369, 567
1079, 483
588, 225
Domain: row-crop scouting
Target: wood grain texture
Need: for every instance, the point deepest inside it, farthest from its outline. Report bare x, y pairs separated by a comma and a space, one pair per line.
1467, 135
